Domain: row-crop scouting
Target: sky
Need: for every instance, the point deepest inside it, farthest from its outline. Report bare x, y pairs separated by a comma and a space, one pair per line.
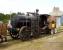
44, 6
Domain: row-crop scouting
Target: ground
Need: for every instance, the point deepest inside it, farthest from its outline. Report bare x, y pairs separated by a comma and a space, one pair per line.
51, 42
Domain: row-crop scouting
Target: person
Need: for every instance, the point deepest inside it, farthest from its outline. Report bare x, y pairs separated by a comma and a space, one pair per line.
3, 31
52, 24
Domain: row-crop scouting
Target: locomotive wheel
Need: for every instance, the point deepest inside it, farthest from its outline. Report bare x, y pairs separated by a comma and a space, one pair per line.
48, 31
14, 34
24, 33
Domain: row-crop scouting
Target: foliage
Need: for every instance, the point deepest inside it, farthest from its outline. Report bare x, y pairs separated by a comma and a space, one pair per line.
5, 17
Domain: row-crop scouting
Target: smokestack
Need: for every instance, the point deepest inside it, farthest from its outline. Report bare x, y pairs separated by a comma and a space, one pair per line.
37, 10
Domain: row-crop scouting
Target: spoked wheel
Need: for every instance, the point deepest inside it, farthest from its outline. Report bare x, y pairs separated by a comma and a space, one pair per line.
24, 33
14, 34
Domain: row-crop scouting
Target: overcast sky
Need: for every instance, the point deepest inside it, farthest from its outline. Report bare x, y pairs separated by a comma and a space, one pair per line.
44, 6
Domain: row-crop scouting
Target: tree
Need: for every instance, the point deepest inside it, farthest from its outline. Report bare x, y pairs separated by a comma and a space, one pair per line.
13, 14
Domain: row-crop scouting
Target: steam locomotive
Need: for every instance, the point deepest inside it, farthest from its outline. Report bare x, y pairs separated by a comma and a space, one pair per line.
32, 24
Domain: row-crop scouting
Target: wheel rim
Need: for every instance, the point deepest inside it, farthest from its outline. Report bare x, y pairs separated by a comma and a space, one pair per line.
24, 35
14, 35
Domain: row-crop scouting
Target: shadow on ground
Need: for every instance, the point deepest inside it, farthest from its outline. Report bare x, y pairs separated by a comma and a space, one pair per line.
11, 42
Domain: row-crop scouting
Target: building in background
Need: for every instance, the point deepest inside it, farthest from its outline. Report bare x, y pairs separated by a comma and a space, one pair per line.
58, 15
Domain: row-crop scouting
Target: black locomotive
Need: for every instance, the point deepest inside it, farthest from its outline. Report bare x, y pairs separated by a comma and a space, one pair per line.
25, 26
